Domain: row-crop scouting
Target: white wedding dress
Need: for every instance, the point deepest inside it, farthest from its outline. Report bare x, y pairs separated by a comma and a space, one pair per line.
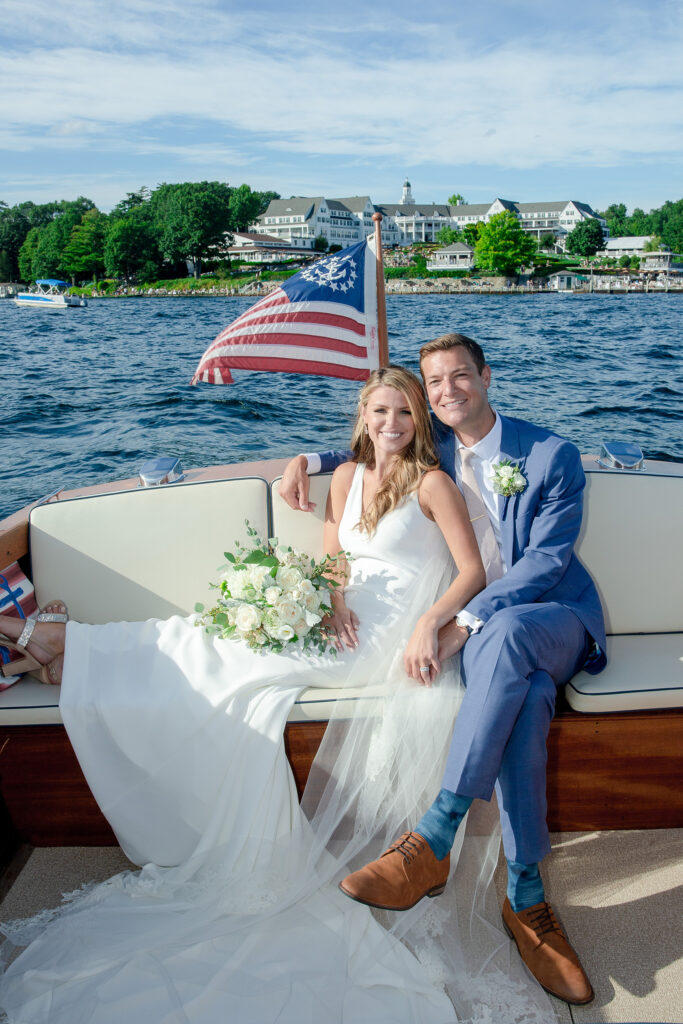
235, 915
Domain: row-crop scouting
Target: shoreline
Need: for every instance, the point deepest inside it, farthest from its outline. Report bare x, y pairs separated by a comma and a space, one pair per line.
222, 293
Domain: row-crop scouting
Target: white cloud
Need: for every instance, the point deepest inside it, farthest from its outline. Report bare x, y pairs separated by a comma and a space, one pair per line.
209, 83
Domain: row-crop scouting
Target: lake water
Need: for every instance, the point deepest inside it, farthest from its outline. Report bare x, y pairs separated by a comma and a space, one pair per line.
88, 395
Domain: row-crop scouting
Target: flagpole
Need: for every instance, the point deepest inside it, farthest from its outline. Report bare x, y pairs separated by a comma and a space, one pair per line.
381, 300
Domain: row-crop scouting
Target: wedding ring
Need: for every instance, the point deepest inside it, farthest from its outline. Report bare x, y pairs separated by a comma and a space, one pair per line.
424, 668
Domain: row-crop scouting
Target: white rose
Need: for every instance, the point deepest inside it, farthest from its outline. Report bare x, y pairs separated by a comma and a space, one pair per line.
289, 577
312, 602
301, 627
247, 618
518, 482
506, 473
311, 619
288, 611
257, 575
272, 593
284, 632
306, 587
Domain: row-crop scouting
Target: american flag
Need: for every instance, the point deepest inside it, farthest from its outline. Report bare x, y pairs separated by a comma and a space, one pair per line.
322, 321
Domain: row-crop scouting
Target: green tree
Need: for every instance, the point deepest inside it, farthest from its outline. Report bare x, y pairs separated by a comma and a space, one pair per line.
320, 244
130, 249
83, 254
27, 255
457, 200
615, 215
246, 206
547, 241
585, 239
472, 232
503, 246
448, 235
192, 220
653, 245
6, 273
624, 262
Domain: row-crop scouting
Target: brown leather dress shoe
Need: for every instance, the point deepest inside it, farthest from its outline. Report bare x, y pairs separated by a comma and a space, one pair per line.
545, 950
404, 873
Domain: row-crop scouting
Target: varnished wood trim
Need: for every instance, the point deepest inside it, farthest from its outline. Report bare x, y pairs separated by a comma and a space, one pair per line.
612, 771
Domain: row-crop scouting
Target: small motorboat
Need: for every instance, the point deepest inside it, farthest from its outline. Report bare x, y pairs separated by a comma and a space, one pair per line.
50, 294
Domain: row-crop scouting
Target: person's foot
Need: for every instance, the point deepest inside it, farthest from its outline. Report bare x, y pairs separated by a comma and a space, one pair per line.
53, 608
45, 642
545, 949
404, 873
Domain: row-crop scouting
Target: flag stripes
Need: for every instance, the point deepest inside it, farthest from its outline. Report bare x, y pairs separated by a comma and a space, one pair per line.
322, 321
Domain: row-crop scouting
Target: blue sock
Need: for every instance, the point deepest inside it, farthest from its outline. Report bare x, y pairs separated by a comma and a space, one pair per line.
441, 821
525, 885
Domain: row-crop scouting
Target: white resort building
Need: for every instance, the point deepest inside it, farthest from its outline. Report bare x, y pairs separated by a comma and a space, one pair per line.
343, 221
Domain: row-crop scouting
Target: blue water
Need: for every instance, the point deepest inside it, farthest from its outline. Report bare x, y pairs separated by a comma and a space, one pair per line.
88, 395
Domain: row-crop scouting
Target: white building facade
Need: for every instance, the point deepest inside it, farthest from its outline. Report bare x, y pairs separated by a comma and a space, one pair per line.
343, 221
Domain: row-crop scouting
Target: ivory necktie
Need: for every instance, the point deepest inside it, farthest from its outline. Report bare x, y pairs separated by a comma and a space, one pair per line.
479, 517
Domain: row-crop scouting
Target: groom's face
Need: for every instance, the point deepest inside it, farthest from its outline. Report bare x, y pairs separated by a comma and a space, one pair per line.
457, 392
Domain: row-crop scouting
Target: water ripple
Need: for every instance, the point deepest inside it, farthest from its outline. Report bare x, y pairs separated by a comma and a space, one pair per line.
88, 395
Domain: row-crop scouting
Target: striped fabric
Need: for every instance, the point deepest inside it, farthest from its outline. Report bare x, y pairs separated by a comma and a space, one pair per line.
321, 321
16, 598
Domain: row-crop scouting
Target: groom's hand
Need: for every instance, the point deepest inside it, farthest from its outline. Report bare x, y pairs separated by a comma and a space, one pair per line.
294, 485
452, 638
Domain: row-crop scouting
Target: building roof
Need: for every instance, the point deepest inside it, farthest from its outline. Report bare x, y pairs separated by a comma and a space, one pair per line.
355, 202
413, 209
298, 206
628, 242
471, 209
457, 247
256, 236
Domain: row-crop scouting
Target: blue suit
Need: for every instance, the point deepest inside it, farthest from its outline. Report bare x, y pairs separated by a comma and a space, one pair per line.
542, 623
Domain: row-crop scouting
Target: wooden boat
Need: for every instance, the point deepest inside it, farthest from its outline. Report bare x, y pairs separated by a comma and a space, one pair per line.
118, 551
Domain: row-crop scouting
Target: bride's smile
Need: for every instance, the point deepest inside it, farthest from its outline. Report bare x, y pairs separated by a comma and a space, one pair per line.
389, 420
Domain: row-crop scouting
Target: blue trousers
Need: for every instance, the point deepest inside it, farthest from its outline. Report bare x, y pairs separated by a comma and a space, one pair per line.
511, 670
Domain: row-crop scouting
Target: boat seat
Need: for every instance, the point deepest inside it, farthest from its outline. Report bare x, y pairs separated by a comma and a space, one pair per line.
151, 552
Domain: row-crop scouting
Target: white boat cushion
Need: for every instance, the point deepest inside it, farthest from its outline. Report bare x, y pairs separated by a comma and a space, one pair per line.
146, 553
642, 673
631, 542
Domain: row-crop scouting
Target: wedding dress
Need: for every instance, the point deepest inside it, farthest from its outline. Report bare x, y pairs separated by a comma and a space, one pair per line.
235, 915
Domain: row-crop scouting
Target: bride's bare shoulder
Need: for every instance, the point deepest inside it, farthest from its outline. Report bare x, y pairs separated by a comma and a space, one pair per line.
340, 485
435, 481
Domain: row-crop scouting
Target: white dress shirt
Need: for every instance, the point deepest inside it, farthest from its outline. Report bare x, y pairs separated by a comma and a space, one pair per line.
487, 451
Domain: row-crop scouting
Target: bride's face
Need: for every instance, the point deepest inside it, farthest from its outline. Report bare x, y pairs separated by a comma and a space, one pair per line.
389, 420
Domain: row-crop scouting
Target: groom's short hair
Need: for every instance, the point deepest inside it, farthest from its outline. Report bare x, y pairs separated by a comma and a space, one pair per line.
448, 341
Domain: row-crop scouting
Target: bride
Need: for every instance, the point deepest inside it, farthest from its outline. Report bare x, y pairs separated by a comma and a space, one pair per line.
235, 914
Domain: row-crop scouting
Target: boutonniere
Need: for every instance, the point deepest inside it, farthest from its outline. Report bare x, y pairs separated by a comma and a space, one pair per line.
507, 479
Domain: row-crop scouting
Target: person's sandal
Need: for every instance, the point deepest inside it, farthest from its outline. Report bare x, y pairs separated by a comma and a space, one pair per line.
44, 616
28, 663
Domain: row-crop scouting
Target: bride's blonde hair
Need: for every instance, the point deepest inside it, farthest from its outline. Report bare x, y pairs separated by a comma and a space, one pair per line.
410, 464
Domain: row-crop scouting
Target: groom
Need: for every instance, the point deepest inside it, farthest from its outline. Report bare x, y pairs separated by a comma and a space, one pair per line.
535, 625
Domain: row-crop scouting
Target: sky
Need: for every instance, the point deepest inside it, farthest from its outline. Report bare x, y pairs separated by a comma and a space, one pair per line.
522, 99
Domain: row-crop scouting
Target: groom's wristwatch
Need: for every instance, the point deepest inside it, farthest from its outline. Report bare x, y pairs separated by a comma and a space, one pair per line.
464, 625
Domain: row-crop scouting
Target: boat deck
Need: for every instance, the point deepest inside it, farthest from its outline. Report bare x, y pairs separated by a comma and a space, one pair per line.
619, 895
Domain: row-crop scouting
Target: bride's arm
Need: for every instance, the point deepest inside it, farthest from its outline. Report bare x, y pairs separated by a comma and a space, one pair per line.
343, 623
441, 501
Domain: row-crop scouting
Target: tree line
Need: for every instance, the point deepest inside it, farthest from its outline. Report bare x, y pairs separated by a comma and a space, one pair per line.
150, 234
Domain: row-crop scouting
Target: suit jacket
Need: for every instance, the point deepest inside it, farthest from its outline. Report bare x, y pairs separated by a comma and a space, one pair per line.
539, 527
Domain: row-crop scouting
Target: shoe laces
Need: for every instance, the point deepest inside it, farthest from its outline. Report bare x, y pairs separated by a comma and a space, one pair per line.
544, 921
410, 845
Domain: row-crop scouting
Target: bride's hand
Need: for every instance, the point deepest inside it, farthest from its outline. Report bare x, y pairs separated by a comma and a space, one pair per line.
341, 626
421, 657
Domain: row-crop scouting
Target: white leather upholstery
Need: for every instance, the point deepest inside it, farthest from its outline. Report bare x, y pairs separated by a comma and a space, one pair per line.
303, 530
642, 673
631, 542
147, 553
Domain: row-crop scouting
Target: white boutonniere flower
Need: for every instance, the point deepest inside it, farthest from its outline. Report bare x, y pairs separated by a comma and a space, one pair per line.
507, 479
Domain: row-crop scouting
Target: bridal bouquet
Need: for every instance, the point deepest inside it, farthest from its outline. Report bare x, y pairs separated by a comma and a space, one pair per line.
271, 596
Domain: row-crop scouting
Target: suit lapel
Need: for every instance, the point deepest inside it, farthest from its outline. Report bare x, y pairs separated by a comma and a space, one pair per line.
510, 448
